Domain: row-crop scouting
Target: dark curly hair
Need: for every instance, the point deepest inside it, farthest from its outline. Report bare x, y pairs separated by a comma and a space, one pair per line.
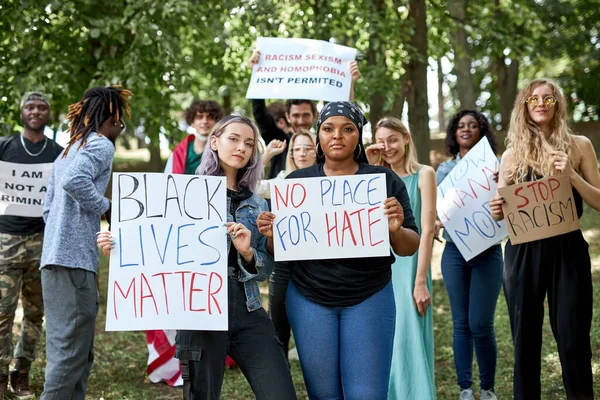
485, 129
277, 110
211, 107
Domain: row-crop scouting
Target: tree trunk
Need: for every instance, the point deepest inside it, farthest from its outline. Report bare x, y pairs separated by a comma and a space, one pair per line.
441, 99
376, 57
462, 54
227, 103
418, 105
506, 87
400, 98
155, 164
506, 79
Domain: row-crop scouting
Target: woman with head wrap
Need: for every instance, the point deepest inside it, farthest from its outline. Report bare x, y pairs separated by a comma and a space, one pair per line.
342, 310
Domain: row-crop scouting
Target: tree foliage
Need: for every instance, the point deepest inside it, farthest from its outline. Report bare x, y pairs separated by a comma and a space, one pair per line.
170, 51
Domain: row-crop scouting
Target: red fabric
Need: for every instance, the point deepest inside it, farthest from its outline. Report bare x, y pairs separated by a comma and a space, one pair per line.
229, 362
166, 352
180, 155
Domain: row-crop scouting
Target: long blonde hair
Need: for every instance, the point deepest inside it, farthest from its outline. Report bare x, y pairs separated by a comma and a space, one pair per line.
530, 148
290, 164
411, 163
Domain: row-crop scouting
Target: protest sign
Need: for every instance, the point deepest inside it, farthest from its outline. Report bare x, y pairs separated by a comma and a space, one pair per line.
540, 209
23, 188
330, 217
301, 69
168, 269
463, 199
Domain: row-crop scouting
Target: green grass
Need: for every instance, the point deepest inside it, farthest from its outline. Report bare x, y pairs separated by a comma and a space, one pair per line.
120, 357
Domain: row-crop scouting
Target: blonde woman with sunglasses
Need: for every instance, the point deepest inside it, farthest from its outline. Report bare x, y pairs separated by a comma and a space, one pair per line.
540, 144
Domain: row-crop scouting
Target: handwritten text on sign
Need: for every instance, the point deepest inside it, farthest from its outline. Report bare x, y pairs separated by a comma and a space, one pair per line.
463, 199
330, 217
168, 269
301, 69
23, 188
540, 209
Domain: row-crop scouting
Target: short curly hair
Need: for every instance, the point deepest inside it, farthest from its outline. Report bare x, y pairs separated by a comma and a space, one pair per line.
211, 107
485, 129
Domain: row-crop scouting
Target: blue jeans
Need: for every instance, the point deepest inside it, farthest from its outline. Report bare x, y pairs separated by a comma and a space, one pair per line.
473, 288
345, 352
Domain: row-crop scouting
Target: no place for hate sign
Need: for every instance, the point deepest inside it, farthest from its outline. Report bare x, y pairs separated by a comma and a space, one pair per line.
540, 209
463, 199
301, 69
23, 188
330, 217
168, 269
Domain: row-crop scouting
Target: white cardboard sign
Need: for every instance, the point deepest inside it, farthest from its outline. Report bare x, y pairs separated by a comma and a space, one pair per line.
168, 269
463, 202
301, 69
23, 188
330, 217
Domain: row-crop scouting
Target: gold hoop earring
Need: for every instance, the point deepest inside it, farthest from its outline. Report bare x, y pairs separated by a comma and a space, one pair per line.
406, 151
357, 156
322, 153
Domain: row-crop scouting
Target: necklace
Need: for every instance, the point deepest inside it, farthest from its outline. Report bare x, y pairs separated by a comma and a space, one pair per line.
34, 154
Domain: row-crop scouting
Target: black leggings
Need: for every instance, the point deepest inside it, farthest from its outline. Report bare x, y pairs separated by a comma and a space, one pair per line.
250, 341
278, 284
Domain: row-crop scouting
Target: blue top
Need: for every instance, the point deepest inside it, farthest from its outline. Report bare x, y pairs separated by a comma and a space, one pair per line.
75, 202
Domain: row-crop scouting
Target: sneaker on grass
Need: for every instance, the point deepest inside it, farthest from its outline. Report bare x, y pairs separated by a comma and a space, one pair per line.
19, 385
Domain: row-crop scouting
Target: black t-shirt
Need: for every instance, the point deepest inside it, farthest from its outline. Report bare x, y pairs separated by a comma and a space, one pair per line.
346, 282
11, 150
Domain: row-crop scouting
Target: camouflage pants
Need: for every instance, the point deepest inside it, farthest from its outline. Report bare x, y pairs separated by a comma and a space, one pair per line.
19, 272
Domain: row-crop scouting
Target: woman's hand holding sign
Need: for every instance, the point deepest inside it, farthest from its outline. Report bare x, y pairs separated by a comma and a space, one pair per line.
395, 214
496, 207
264, 222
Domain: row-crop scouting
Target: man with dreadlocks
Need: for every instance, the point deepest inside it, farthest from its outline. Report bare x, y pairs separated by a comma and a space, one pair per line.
74, 205
21, 249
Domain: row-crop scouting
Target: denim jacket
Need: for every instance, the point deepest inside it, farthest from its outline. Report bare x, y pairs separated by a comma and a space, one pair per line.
246, 214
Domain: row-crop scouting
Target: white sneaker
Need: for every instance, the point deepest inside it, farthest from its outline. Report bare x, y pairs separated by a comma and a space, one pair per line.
487, 395
466, 394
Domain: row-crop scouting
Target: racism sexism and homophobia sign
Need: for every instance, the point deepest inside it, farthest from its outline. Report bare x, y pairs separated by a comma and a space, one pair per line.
23, 188
168, 269
330, 217
301, 69
463, 199
540, 209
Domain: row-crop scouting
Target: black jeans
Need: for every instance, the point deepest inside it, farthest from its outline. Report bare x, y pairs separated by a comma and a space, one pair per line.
250, 342
278, 284
559, 266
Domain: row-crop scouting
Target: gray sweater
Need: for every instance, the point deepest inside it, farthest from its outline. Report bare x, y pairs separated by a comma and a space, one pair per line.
74, 204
